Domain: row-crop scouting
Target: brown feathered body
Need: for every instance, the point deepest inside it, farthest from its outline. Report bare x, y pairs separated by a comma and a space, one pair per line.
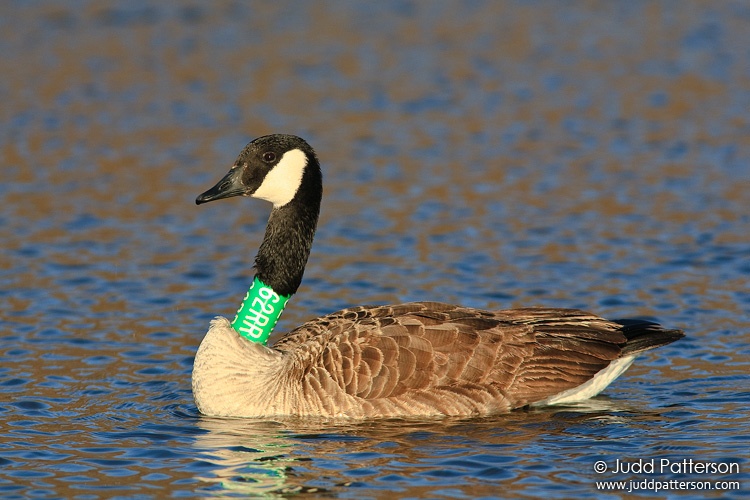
422, 358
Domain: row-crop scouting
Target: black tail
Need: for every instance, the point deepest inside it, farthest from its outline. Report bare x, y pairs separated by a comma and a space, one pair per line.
643, 335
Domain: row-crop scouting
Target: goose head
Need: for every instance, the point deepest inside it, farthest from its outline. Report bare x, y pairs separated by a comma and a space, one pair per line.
270, 168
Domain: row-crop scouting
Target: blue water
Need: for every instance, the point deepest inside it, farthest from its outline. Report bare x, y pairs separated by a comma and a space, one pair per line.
484, 153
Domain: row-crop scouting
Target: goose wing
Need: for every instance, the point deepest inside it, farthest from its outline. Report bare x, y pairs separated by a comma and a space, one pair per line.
568, 348
418, 353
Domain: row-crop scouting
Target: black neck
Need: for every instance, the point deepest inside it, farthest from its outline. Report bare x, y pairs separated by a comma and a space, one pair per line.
283, 254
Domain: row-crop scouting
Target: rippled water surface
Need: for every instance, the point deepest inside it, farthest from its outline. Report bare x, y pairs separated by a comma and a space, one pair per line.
496, 154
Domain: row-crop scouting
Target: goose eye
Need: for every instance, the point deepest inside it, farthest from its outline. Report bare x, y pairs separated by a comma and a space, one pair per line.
269, 156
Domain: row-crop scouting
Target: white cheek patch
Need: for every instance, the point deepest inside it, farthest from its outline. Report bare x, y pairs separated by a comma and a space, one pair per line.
283, 181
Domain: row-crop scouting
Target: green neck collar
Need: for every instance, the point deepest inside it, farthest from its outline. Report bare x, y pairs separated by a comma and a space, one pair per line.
259, 312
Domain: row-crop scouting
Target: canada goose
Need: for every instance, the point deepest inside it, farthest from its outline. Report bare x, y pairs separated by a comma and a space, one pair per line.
415, 359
